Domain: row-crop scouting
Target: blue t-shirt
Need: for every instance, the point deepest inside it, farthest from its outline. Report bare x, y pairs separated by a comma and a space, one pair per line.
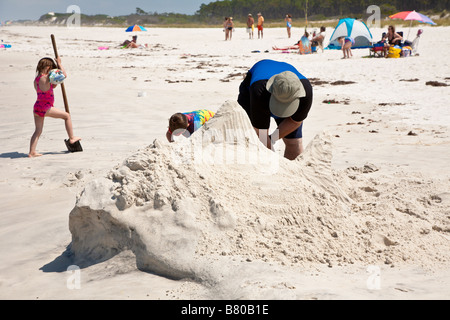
266, 69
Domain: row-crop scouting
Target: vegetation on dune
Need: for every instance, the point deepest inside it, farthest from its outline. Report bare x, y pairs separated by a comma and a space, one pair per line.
311, 12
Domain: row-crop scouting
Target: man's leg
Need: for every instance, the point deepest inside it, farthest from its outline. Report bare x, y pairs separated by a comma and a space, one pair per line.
294, 147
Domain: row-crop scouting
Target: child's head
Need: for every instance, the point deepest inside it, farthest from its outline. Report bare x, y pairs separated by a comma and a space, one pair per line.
178, 121
45, 65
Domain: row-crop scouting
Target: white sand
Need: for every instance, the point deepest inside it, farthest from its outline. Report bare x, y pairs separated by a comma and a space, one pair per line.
321, 228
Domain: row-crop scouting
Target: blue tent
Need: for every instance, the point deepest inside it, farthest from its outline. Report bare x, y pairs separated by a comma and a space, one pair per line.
353, 28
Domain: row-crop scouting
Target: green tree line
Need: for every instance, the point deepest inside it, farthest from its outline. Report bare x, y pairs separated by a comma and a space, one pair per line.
276, 9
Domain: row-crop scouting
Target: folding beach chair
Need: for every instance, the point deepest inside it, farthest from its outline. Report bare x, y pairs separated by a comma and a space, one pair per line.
377, 50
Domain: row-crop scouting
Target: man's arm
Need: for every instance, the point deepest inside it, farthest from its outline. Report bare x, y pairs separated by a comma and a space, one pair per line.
286, 126
169, 136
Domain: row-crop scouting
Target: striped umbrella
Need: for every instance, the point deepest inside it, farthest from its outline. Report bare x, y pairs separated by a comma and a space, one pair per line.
412, 16
135, 28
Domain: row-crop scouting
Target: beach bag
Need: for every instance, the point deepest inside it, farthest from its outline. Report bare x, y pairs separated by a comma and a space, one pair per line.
406, 51
394, 52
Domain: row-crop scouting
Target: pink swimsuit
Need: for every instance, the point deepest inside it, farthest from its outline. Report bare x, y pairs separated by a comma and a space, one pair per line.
44, 100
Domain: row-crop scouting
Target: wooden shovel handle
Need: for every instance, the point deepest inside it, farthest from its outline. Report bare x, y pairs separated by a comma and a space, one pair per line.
63, 89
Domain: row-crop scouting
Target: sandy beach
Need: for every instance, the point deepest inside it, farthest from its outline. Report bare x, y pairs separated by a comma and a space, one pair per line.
362, 214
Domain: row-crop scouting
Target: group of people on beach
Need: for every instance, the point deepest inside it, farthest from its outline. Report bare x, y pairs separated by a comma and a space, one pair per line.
308, 43
389, 39
228, 26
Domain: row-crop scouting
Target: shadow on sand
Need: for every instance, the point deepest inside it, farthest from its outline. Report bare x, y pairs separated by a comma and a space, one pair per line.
18, 155
65, 260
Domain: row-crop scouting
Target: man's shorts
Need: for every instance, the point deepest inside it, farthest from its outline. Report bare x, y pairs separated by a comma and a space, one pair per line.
260, 28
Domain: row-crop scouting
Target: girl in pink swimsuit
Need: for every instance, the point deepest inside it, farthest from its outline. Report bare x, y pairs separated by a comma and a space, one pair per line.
44, 104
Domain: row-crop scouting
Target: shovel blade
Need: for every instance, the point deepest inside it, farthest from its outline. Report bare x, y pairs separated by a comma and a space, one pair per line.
73, 147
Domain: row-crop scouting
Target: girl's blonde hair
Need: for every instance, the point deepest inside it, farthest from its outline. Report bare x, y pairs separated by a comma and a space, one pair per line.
44, 63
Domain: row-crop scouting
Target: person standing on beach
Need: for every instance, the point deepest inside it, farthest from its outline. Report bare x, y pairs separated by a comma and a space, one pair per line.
225, 28
276, 89
260, 25
288, 21
250, 26
346, 45
44, 103
229, 26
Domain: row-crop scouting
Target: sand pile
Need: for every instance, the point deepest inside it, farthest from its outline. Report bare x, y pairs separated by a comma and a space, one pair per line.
221, 194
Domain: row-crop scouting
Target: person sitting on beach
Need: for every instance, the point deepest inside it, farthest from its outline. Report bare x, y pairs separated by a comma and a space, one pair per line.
319, 38
393, 39
44, 103
132, 44
293, 47
346, 45
187, 123
296, 46
274, 89
127, 42
304, 45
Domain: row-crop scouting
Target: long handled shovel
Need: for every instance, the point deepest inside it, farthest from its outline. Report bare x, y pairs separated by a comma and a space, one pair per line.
72, 147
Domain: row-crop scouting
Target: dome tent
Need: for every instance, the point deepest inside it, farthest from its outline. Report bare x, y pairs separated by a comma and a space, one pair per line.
356, 29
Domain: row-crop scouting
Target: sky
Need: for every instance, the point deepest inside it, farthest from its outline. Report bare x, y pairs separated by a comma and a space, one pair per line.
33, 9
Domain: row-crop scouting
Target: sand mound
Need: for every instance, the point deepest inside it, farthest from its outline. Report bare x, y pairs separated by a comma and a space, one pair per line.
221, 194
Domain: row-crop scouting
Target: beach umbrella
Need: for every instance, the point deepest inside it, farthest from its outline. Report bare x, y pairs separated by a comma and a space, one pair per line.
135, 28
412, 16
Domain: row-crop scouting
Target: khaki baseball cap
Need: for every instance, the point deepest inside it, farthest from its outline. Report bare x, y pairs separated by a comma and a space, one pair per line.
286, 89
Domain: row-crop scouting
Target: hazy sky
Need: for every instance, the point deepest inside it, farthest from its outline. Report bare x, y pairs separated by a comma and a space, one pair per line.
33, 9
